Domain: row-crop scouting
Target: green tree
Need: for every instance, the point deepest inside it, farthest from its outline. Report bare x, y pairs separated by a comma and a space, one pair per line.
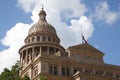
12, 74
6, 75
42, 77
15, 71
25, 78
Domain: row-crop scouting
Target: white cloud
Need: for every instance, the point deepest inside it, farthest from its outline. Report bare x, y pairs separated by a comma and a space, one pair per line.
104, 13
83, 24
69, 35
14, 38
27, 5
55, 9
74, 33
14, 35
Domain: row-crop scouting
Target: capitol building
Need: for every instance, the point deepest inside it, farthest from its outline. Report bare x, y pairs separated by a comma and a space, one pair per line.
42, 54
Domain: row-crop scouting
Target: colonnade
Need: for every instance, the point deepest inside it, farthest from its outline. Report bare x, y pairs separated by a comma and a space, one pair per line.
30, 54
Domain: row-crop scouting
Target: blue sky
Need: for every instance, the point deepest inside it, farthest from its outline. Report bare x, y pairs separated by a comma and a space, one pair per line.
9, 16
100, 16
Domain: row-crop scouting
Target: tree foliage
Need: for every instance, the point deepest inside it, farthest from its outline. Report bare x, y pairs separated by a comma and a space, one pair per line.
12, 74
6, 75
25, 78
42, 77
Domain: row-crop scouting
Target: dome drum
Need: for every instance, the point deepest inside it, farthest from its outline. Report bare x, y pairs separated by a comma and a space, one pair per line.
42, 38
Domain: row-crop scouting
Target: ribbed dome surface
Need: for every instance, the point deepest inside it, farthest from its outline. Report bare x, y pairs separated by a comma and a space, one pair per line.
42, 27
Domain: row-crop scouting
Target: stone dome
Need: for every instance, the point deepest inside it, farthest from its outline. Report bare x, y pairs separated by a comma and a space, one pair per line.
42, 26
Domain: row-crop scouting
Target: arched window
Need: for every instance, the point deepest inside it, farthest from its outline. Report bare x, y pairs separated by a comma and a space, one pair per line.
49, 39
38, 38
29, 40
33, 39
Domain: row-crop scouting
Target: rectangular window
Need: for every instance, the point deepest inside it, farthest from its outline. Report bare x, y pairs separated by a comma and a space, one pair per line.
50, 70
63, 71
67, 72
55, 70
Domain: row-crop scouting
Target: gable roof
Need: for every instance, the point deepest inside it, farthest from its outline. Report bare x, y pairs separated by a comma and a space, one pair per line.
87, 48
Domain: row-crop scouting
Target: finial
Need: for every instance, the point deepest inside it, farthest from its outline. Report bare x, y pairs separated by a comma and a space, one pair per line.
42, 6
